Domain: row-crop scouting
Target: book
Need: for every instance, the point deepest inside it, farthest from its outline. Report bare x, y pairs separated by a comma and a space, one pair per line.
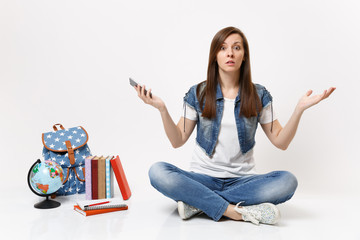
94, 177
88, 194
120, 177
101, 204
109, 178
98, 211
101, 178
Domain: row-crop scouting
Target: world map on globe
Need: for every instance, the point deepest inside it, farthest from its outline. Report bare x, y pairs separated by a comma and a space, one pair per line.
46, 177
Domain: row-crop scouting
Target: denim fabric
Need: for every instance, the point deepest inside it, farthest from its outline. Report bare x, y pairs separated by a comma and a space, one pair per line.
213, 195
208, 129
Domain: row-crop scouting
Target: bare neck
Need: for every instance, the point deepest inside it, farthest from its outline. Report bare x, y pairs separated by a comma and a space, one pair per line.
229, 82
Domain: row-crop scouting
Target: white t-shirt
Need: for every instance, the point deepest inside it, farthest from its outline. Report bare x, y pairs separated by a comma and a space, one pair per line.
228, 160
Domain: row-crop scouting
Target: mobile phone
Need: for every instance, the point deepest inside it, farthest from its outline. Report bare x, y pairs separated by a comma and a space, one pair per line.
133, 83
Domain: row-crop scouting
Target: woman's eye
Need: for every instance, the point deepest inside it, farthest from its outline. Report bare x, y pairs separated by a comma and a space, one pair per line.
237, 48
222, 48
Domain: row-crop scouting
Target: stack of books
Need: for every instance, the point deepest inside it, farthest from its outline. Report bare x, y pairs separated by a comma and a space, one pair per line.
99, 177
94, 207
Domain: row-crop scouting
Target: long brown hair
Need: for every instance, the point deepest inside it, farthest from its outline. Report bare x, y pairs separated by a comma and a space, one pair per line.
250, 102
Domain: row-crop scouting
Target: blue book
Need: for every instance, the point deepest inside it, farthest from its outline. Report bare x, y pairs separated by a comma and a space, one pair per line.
109, 177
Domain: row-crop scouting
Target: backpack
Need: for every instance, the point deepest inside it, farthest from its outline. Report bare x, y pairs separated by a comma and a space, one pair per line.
68, 148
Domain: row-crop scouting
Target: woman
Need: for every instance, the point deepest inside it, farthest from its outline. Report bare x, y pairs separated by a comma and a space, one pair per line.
226, 109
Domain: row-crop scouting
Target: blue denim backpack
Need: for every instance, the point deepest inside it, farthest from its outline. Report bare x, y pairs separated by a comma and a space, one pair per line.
68, 147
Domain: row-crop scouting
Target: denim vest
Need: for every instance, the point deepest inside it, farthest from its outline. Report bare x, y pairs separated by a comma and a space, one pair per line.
208, 129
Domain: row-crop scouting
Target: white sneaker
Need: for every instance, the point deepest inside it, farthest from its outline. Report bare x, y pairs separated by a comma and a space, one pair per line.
262, 213
186, 211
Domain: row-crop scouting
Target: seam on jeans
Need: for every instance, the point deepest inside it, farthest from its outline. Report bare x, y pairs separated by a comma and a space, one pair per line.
221, 211
223, 184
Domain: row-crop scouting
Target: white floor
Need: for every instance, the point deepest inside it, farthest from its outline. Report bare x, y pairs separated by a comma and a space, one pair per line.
152, 216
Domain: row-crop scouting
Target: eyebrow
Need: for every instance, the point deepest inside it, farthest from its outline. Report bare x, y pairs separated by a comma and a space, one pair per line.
233, 43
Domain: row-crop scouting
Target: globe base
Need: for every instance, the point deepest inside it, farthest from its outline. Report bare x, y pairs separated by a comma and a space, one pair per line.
47, 204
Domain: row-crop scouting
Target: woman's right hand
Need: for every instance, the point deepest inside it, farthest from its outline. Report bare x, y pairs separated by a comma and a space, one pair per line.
175, 133
154, 101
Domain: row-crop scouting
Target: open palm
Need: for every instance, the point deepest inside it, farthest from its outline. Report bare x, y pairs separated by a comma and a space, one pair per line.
307, 100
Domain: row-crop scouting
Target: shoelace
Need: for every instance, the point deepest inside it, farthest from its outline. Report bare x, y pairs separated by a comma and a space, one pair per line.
245, 213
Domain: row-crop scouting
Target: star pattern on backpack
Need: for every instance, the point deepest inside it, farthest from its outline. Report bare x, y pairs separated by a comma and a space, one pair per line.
56, 140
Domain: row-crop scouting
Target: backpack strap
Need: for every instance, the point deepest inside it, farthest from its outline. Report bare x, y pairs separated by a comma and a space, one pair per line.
67, 176
81, 180
70, 152
77, 176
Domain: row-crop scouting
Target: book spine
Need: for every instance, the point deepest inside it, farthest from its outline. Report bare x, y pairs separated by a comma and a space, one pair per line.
121, 178
101, 178
109, 179
112, 181
88, 194
94, 178
106, 207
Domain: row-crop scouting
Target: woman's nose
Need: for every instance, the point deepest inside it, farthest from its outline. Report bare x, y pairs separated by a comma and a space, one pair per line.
230, 53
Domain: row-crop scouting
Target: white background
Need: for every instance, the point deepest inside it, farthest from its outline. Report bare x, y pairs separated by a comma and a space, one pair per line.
69, 61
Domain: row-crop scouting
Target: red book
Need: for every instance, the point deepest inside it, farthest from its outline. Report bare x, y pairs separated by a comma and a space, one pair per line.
98, 211
121, 178
94, 178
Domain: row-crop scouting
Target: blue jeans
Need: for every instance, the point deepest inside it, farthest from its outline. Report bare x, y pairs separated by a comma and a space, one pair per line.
213, 195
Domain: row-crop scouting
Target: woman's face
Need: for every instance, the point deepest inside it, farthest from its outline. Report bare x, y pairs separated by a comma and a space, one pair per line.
231, 54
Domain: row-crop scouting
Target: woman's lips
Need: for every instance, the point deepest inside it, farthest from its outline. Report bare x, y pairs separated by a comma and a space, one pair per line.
231, 63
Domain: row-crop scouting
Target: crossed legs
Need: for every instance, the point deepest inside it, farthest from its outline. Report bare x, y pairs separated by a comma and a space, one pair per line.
216, 196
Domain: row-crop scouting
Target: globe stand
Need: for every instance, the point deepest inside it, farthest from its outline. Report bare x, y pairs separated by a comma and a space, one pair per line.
47, 204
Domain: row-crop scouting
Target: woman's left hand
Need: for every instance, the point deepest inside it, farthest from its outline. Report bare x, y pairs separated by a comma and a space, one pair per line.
307, 100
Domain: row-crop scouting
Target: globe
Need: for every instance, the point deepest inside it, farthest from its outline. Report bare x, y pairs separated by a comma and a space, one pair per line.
44, 179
